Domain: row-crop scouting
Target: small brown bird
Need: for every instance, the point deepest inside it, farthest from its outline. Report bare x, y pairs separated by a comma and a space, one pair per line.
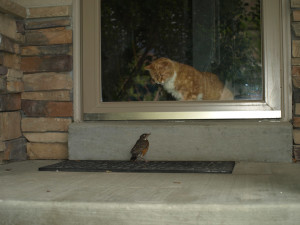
140, 148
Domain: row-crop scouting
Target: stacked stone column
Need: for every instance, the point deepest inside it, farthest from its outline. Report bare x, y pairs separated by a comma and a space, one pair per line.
295, 21
12, 143
47, 97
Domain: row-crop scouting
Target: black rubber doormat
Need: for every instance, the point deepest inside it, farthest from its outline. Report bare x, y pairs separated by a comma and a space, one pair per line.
140, 166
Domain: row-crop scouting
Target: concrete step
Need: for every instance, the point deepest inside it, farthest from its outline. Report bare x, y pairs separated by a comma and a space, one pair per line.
183, 140
256, 193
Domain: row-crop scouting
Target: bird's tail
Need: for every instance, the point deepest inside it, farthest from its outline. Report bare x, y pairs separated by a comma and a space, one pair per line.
133, 158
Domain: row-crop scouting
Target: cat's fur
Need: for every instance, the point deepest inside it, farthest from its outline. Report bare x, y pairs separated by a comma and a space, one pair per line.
186, 83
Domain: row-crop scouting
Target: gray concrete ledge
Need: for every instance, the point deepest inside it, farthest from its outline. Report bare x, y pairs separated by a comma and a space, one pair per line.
259, 141
256, 193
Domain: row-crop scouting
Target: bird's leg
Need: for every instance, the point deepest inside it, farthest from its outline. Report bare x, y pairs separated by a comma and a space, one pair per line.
145, 160
140, 157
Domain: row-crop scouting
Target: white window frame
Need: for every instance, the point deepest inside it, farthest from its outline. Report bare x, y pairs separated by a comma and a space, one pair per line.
87, 67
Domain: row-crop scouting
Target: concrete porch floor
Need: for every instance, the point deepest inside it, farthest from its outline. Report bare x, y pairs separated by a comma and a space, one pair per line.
256, 193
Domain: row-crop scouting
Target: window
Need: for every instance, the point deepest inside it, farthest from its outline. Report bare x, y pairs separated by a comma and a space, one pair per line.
229, 51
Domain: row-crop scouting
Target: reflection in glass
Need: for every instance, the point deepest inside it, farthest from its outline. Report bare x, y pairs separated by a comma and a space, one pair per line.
190, 50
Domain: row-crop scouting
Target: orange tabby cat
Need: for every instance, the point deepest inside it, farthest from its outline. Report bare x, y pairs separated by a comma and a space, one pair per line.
186, 83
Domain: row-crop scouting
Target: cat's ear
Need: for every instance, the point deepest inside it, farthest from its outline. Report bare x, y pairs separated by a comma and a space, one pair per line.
164, 59
148, 67
165, 62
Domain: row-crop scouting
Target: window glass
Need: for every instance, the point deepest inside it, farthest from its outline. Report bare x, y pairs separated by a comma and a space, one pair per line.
181, 50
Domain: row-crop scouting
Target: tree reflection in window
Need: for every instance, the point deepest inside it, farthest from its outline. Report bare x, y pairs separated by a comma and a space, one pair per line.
218, 36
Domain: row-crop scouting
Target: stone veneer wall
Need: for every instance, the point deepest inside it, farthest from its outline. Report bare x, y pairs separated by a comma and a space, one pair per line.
46, 61
12, 143
35, 81
295, 21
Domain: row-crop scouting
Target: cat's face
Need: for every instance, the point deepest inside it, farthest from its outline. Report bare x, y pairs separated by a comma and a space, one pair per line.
161, 69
